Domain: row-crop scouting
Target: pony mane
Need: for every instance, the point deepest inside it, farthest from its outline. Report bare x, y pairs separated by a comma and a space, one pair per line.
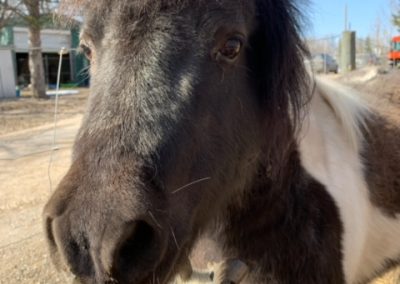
78, 7
349, 109
278, 53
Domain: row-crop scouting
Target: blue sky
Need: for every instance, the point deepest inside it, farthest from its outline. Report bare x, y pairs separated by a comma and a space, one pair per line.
327, 17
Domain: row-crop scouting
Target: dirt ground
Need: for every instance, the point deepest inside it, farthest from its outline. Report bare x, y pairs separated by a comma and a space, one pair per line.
26, 112
380, 87
24, 182
26, 140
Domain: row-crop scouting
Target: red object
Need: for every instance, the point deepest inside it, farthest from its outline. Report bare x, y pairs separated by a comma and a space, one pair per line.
394, 54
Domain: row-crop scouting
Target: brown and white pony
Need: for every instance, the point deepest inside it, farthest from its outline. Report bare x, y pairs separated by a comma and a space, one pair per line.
201, 116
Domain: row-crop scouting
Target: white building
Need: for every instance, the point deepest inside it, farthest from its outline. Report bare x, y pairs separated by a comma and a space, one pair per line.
7, 74
14, 55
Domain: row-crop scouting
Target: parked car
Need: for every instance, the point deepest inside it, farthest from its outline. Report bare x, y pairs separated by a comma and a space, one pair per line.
324, 63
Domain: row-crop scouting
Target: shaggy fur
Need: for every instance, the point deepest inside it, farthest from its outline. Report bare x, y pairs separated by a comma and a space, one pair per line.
179, 137
382, 169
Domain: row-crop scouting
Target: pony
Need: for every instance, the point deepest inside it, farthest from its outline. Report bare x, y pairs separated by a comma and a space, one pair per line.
202, 117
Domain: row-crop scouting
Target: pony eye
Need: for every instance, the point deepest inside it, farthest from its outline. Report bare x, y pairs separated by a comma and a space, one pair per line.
86, 50
231, 48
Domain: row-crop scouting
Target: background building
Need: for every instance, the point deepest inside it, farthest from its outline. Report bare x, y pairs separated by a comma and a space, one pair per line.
14, 52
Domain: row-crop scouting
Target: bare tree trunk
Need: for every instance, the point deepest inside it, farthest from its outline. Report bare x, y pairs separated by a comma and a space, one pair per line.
36, 64
35, 53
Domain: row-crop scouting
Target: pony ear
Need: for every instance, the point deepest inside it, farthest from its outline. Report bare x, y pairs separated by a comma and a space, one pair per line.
276, 58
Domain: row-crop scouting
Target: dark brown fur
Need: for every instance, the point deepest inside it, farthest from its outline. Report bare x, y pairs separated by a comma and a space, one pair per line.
381, 159
303, 243
123, 213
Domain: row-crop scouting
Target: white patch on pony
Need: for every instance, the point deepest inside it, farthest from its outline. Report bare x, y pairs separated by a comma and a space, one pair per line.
349, 109
330, 142
228, 271
198, 277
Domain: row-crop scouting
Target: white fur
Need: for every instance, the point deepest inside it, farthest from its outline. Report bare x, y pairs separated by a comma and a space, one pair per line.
198, 277
330, 142
228, 271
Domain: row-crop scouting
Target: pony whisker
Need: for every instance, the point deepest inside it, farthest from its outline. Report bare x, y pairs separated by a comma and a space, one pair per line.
174, 237
155, 220
190, 184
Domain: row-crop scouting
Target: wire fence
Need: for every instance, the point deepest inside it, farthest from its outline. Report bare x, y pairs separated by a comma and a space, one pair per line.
53, 146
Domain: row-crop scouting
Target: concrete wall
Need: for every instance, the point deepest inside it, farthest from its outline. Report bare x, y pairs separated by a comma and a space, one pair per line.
348, 52
7, 74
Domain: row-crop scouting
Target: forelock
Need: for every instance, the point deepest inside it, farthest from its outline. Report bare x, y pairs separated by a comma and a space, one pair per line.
82, 7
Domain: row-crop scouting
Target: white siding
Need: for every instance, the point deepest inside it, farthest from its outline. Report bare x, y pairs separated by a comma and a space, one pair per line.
52, 40
7, 75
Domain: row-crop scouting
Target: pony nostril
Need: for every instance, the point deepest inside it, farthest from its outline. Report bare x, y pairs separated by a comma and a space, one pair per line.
51, 241
49, 232
137, 243
138, 246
